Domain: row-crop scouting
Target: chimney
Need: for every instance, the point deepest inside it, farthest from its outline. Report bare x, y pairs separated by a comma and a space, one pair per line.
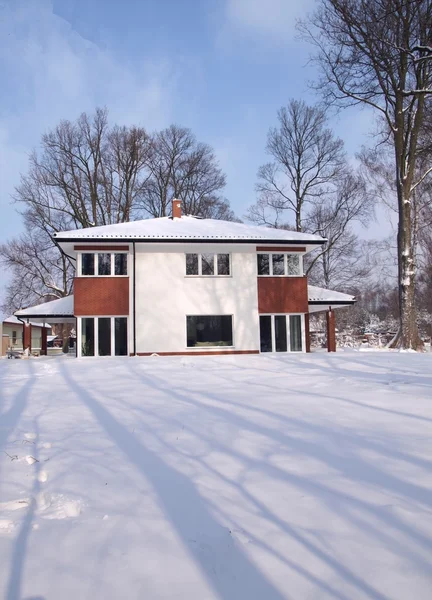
176, 208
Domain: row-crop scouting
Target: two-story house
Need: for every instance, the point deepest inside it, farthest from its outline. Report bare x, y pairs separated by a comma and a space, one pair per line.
186, 285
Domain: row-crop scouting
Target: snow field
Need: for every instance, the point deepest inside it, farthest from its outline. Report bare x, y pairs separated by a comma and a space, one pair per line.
264, 477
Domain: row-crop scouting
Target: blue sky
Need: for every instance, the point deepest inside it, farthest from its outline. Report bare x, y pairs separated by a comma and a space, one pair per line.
220, 67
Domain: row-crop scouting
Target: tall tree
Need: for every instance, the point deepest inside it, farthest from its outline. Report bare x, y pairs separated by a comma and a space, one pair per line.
86, 173
372, 52
307, 160
343, 262
181, 167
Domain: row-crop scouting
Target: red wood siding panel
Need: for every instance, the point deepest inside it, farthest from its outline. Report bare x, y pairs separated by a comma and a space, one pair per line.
99, 248
281, 249
282, 295
101, 296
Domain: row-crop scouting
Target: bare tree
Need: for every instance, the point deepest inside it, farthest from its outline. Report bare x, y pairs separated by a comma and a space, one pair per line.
342, 261
371, 52
182, 167
39, 271
307, 160
87, 173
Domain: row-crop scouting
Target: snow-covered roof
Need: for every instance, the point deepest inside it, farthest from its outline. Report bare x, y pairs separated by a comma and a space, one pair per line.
188, 228
318, 295
63, 307
12, 320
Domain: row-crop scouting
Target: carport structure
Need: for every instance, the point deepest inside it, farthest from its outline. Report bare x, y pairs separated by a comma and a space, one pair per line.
55, 311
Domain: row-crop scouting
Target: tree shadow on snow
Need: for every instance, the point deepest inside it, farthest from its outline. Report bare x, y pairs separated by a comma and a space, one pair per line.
351, 467
225, 566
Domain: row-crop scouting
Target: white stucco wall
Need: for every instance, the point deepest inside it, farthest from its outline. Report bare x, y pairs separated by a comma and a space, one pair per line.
165, 295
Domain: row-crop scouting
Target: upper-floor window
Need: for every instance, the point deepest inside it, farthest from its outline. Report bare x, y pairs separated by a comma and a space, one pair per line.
283, 265
208, 264
103, 264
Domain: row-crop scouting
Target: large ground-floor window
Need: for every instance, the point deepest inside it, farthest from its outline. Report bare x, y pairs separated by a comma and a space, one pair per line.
281, 333
209, 330
103, 336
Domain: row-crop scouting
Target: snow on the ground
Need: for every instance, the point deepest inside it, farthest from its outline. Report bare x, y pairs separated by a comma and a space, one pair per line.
217, 478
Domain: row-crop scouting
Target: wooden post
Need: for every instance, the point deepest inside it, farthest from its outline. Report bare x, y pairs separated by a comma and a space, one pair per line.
307, 332
331, 330
44, 343
27, 335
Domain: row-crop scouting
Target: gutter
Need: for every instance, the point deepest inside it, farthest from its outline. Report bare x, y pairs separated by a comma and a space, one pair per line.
186, 240
330, 302
54, 239
56, 316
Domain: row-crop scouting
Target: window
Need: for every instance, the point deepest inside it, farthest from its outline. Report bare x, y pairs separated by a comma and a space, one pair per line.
87, 264
293, 264
104, 264
209, 331
120, 264
223, 264
279, 265
14, 337
104, 336
263, 264
191, 264
208, 264
278, 261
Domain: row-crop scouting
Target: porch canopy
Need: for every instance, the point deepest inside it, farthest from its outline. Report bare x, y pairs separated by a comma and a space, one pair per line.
321, 299
56, 311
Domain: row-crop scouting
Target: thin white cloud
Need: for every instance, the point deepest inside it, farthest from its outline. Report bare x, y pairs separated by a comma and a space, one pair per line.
274, 19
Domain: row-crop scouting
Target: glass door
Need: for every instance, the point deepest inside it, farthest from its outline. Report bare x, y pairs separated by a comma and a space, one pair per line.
281, 333
266, 338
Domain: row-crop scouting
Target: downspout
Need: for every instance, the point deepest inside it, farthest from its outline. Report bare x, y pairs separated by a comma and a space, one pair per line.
134, 302
61, 249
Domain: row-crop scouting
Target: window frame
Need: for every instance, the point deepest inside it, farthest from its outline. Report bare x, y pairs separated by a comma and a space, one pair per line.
96, 336
285, 255
215, 264
201, 348
96, 263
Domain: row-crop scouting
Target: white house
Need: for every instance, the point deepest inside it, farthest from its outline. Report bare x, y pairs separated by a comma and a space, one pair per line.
186, 285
